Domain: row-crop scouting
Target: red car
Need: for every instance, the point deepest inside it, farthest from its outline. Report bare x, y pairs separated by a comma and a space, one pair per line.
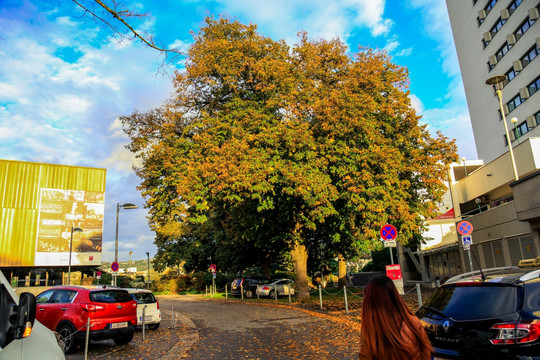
66, 309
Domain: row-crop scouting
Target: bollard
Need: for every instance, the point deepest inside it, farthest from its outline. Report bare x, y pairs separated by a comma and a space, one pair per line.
242, 291
346, 304
87, 337
289, 293
419, 294
206, 291
275, 292
320, 297
143, 322
226, 293
173, 317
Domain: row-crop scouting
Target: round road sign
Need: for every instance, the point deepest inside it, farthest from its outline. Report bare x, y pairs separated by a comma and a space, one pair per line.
115, 267
213, 268
388, 232
464, 228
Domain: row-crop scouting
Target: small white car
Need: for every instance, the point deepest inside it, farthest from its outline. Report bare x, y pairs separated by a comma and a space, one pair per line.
152, 314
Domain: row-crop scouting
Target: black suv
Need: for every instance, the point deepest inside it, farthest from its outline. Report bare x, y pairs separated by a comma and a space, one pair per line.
493, 314
249, 285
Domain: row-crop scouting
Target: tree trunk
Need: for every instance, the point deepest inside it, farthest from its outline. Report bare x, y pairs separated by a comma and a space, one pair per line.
342, 272
299, 256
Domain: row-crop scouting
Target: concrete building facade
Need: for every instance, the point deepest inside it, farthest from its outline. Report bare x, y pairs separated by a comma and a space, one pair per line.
499, 37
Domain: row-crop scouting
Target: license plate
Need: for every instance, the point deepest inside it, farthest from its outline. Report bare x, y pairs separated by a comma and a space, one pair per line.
146, 318
119, 325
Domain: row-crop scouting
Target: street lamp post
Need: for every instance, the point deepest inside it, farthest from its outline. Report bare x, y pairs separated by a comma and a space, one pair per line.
497, 82
148, 270
118, 206
464, 166
76, 229
514, 121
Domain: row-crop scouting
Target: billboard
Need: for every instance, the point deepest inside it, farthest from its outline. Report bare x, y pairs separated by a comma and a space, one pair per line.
60, 211
39, 206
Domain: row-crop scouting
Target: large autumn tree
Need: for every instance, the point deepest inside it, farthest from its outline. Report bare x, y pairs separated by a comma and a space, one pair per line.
271, 147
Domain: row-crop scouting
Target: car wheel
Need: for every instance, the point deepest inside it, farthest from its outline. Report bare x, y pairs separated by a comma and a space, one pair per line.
153, 326
271, 294
249, 294
123, 340
67, 336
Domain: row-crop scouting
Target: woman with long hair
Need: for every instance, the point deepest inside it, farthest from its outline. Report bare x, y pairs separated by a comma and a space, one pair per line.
390, 330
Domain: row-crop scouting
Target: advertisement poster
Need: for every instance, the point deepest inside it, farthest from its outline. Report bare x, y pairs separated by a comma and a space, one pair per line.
59, 212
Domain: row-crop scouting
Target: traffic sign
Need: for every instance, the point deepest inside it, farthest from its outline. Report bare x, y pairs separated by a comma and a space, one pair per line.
213, 268
115, 266
467, 240
464, 228
388, 232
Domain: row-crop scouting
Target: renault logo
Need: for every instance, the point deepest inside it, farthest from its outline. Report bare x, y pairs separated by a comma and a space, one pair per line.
446, 325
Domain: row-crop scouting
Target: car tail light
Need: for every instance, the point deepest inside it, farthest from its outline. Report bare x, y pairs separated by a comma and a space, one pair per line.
516, 333
92, 307
157, 303
266, 288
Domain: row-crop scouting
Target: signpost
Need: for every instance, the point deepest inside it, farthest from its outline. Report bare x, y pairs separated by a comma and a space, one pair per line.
213, 269
465, 229
115, 267
389, 234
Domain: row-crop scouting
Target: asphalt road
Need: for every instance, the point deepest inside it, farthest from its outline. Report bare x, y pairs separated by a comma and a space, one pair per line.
214, 329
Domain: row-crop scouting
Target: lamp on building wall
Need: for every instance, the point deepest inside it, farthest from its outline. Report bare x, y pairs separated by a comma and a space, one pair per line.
73, 229
118, 206
497, 82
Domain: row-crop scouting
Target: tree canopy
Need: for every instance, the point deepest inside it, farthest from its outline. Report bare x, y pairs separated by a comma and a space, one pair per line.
276, 148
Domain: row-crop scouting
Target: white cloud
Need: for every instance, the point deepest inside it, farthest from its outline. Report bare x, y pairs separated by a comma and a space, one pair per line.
416, 103
320, 18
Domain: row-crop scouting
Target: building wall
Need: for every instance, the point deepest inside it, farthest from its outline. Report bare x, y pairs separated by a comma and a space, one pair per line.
21, 190
473, 59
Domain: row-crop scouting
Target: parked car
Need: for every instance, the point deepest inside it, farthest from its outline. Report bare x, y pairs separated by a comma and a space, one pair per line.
21, 336
66, 309
493, 314
249, 285
276, 288
152, 314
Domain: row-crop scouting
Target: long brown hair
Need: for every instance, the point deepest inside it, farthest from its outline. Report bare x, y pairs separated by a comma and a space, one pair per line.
384, 318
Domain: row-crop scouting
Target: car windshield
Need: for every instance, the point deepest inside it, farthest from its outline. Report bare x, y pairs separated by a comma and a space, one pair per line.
474, 302
110, 296
144, 298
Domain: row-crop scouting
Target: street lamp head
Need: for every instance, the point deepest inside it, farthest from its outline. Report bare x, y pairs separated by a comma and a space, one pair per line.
147, 253
128, 206
496, 81
514, 120
76, 229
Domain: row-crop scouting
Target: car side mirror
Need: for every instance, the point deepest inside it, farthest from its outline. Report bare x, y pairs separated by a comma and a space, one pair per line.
26, 315
15, 321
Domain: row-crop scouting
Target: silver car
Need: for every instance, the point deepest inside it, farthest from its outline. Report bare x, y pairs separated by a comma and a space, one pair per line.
277, 287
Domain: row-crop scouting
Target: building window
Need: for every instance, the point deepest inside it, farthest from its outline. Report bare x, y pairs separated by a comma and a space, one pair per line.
529, 56
534, 86
522, 29
510, 74
487, 8
522, 129
494, 29
513, 5
514, 103
537, 118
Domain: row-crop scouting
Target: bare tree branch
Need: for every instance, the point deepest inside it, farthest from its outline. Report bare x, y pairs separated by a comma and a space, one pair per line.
121, 15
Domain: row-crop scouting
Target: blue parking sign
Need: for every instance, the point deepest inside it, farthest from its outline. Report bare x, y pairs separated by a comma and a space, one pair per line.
467, 240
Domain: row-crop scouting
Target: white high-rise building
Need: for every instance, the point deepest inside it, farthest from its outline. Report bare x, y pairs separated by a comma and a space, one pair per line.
499, 37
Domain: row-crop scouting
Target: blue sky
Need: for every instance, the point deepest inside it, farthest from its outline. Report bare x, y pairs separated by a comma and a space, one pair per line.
64, 80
